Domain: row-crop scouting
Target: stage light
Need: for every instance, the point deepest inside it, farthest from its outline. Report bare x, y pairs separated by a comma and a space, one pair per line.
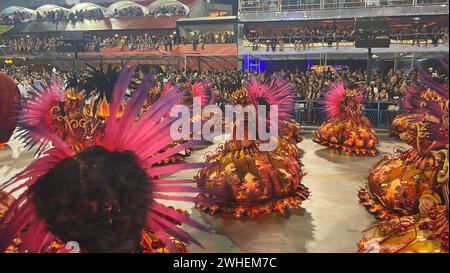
9, 62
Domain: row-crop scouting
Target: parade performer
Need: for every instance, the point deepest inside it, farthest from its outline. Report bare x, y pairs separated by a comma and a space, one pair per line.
9, 108
103, 197
409, 190
252, 181
290, 137
347, 129
201, 90
398, 181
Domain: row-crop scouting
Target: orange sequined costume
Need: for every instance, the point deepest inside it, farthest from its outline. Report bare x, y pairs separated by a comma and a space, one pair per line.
403, 186
398, 181
402, 124
347, 129
251, 181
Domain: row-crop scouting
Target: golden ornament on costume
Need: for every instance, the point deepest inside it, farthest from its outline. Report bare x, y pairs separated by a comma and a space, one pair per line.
402, 124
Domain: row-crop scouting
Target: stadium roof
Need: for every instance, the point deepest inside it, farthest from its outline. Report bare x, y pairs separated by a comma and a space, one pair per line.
126, 4
86, 6
161, 3
13, 9
50, 7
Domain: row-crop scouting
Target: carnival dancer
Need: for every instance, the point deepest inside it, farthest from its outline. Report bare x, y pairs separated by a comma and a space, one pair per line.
402, 125
397, 183
253, 181
347, 130
409, 190
104, 197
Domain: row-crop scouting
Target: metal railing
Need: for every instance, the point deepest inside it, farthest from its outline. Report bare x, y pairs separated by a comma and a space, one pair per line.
248, 6
380, 113
348, 40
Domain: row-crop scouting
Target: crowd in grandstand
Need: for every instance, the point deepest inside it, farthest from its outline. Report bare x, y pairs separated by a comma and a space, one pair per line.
144, 42
28, 45
147, 42
15, 18
129, 11
425, 34
169, 10
301, 38
132, 43
311, 85
51, 15
81, 15
202, 38
307, 36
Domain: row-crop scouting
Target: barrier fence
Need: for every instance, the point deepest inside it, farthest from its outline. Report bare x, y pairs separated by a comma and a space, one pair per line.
379, 113
348, 40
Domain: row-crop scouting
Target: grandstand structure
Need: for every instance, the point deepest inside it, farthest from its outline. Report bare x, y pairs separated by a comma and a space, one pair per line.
288, 15
266, 34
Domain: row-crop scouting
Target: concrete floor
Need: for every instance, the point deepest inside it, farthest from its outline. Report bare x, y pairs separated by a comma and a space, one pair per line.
330, 221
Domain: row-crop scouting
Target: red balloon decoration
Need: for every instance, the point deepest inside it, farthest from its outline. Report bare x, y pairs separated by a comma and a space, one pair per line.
9, 107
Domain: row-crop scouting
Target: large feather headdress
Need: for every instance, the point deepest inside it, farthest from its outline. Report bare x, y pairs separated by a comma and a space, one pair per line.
145, 136
334, 96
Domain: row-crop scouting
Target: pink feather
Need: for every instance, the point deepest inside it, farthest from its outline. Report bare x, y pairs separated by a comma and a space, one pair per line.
162, 234
203, 90
174, 168
277, 91
332, 99
177, 232
145, 136
25, 215
177, 216
167, 88
169, 181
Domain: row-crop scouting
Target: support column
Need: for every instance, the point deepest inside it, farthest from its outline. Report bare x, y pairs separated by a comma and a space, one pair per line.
369, 65
395, 62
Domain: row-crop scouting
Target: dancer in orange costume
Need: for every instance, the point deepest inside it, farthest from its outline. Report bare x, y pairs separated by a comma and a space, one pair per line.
408, 191
250, 181
347, 129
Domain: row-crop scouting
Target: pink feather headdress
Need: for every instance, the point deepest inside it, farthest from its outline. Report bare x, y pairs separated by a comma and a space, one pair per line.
277, 91
145, 137
203, 90
37, 113
200, 89
334, 96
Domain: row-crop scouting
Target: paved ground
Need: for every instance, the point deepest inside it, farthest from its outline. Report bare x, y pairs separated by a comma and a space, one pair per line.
331, 220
